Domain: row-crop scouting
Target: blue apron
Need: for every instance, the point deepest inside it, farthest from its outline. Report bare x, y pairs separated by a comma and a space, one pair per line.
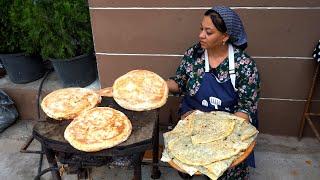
214, 95
211, 96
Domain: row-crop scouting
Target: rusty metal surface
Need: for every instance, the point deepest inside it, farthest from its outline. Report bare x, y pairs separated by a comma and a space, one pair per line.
50, 133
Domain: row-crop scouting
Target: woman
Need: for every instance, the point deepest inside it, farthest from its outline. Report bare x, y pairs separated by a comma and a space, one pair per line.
216, 75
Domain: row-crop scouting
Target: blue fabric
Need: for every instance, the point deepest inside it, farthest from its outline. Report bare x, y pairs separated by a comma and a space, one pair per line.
211, 91
233, 23
250, 161
211, 88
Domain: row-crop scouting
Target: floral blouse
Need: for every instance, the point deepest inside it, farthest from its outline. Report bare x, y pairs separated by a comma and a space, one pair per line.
192, 69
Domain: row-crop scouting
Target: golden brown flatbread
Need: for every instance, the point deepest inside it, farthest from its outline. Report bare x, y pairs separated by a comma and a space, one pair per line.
140, 90
97, 129
69, 102
209, 127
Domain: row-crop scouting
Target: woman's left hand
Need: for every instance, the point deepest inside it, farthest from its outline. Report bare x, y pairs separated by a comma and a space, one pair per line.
186, 114
242, 115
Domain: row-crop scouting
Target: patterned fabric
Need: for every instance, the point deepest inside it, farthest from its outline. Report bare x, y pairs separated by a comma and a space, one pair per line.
316, 52
191, 71
240, 172
233, 23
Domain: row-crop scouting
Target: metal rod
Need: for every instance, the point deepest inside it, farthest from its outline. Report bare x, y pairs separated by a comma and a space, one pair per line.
39, 91
137, 167
155, 150
40, 162
52, 163
45, 171
27, 144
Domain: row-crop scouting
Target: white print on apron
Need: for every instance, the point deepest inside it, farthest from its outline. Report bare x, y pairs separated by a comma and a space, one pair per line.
214, 101
204, 103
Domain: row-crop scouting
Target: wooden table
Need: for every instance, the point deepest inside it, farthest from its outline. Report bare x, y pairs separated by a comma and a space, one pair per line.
144, 136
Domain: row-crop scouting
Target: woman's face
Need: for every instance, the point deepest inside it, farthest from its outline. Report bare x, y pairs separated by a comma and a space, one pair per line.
210, 36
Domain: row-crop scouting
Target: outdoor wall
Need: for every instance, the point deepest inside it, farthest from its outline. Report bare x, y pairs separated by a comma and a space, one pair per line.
153, 35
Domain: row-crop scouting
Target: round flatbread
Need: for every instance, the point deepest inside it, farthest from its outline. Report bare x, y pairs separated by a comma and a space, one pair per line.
208, 127
68, 103
140, 90
97, 129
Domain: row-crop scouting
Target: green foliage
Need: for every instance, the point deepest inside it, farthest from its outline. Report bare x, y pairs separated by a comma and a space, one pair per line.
16, 23
63, 28
23, 17
9, 35
58, 29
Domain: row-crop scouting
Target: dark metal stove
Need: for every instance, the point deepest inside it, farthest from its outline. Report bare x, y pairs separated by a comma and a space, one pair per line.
129, 154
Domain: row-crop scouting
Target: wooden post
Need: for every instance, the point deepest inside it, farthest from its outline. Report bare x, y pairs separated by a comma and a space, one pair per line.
306, 113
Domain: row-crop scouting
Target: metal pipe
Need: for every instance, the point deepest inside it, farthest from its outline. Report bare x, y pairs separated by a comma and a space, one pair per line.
45, 171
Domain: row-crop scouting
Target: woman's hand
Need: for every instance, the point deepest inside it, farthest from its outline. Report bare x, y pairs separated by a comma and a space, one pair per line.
242, 115
173, 86
186, 114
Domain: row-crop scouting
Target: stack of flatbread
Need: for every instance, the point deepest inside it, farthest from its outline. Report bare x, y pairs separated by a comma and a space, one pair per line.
207, 142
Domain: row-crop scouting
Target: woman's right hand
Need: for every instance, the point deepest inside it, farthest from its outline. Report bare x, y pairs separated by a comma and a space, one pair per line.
172, 86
